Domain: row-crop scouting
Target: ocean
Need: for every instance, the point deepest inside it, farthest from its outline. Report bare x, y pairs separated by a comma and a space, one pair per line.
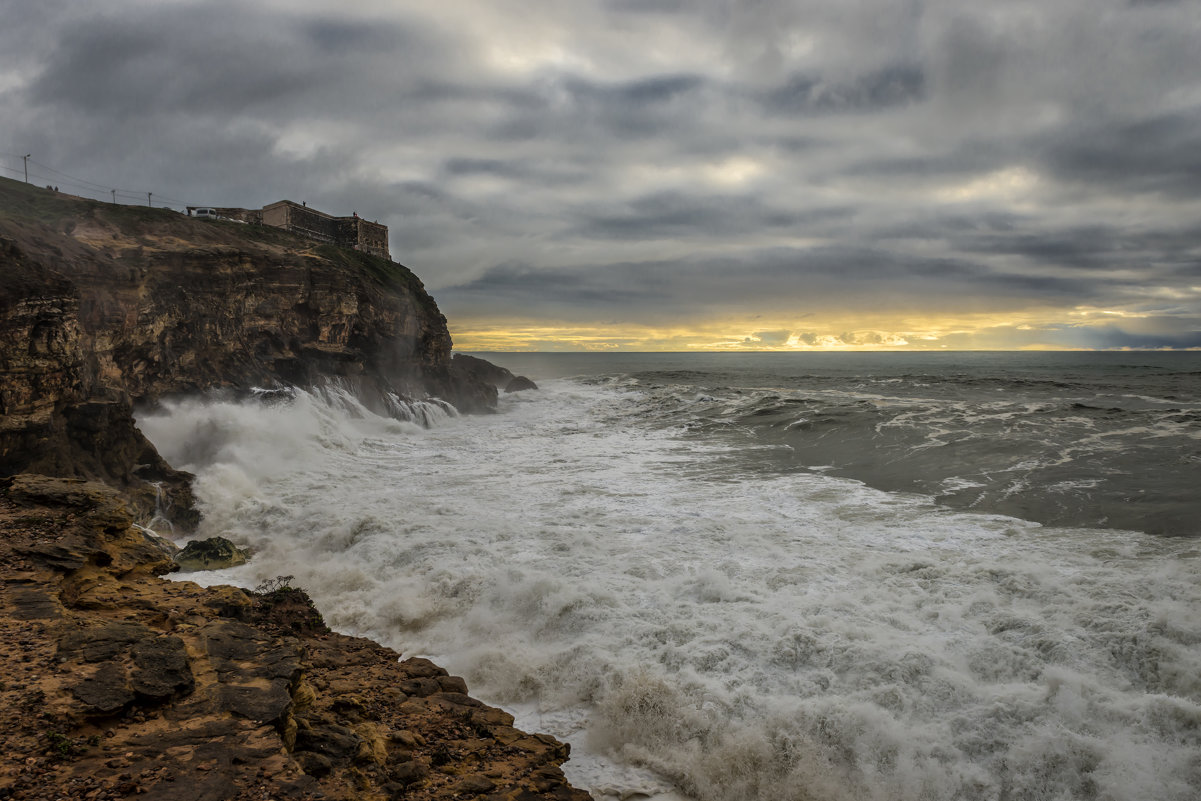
733, 577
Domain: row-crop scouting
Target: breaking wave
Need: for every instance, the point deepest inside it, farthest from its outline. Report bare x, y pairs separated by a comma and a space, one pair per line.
689, 621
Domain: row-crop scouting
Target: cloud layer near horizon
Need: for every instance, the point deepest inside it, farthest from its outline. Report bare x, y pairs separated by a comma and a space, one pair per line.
669, 174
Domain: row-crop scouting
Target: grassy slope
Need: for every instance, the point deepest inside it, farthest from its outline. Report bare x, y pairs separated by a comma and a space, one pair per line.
34, 216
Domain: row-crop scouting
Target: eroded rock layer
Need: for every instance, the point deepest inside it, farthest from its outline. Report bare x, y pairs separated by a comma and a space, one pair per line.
115, 683
104, 306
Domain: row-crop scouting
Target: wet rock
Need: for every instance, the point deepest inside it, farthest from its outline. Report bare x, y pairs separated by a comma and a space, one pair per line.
103, 504
481, 370
420, 688
422, 668
35, 604
240, 653
452, 684
407, 772
332, 741
161, 668
214, 553
228, 640
490, 716
314, 764
105, 691
520, 384
265, 704
102, 642
459, 699
160, 544
475, 784
68, 555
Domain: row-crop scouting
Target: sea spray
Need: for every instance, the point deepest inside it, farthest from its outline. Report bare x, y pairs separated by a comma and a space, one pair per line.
747, 634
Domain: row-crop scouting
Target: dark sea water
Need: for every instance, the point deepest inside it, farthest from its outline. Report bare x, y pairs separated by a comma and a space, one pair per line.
765, 577
1078, 439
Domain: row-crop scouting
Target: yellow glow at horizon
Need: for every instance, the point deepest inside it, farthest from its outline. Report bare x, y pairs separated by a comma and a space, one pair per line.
1091, 311
993, 331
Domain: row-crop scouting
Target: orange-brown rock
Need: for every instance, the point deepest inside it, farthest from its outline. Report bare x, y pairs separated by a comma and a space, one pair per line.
115, 683
105, 306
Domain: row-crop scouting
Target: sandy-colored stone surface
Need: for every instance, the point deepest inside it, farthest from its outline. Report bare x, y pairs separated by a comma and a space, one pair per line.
115, 683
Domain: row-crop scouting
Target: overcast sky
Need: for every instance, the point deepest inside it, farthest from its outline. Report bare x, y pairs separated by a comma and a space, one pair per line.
665, 174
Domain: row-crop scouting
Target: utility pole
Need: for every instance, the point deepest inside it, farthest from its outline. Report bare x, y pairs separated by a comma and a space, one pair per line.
25, 158
114, 191
148, 194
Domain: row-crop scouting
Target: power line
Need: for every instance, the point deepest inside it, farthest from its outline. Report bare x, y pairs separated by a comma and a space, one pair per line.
71, 177
83, 185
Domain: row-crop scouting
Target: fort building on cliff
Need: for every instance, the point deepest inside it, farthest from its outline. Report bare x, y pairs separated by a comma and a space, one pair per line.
348, 232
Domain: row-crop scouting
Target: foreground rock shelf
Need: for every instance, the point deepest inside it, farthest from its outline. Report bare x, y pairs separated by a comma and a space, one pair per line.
116, 683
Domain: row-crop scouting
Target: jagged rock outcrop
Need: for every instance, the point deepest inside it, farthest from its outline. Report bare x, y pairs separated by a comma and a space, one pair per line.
485, 372
213, 553
116, 683
103, 307
55, 417
520, 384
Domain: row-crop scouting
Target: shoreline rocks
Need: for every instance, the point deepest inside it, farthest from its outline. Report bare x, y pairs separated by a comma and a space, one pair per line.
119, 683
214, 553
483, 371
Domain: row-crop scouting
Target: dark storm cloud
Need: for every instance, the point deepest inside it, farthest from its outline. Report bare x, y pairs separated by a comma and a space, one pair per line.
880, 89
652, 91
1117, 337
961, 227
611, 159
770, 280
1161, 153
214, 59
676, 214
1093, 246
964, 158
527, 171
643, 108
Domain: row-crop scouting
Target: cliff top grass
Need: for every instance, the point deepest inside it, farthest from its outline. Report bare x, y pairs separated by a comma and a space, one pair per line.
25, 208
28, 214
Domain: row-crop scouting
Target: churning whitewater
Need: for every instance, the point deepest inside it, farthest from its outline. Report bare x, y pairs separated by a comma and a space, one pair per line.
687, 620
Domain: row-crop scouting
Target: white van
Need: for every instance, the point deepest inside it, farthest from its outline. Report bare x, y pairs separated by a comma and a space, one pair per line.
205, 214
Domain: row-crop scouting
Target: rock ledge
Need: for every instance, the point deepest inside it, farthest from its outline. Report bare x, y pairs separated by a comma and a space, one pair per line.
116, 683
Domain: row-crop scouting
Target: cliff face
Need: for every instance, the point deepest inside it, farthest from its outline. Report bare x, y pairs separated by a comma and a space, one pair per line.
117, 683
57, 418
103, 307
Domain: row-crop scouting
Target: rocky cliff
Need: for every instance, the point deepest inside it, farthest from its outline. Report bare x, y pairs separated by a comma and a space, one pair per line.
116, 683
103, 307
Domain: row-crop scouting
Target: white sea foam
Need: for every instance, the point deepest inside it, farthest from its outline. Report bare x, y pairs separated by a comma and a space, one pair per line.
749, 636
